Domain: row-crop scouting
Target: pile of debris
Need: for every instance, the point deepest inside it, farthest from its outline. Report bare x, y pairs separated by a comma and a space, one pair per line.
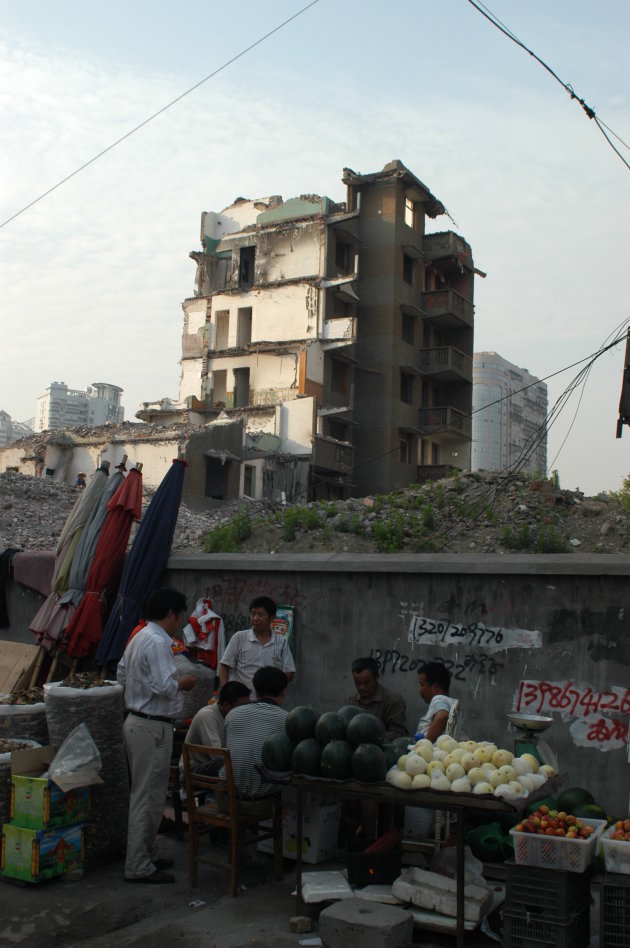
465, 513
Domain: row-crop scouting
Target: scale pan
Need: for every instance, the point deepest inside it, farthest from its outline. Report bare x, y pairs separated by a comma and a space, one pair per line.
531, 722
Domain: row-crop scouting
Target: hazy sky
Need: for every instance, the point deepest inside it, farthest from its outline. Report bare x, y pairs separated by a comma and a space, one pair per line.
92, 277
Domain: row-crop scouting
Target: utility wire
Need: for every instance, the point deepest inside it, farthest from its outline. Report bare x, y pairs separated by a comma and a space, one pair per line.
118, 141
490, 16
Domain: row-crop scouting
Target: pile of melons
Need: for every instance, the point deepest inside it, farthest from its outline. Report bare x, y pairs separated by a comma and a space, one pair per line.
468, 767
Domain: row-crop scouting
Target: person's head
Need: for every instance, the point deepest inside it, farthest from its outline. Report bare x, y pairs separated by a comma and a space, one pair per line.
233, 694
365, 674
166, 607
262, 610
434, 678
270, 682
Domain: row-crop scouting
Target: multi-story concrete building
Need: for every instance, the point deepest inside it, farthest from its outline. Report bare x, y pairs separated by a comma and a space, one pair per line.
509, 416
62, 407
329, 345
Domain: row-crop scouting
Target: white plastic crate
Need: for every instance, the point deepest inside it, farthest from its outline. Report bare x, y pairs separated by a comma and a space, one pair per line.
616, 853
558, 852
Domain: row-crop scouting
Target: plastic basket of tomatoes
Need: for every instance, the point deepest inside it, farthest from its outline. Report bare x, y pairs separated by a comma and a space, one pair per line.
616, 847
553, 840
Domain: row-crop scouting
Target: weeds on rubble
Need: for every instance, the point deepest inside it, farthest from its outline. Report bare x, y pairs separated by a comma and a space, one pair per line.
439, 497
520, 539
428, 516
289, 524
549, 540
389, 535
352, 524
228, 538
308, 517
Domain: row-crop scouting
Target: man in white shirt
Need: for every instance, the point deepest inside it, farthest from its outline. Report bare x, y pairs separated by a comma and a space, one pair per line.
208, 726
258, 647
148, 675
434, 681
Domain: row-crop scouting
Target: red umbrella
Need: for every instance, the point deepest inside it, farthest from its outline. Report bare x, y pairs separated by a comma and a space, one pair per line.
84, 631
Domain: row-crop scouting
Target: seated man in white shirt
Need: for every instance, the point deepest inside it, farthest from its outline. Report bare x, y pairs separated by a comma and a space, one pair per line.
434, 680
208, 727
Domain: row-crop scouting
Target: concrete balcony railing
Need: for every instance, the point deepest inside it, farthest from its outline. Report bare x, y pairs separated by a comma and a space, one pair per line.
331, 455
448, 309
446, 364
447, 244
271, 396
444, 422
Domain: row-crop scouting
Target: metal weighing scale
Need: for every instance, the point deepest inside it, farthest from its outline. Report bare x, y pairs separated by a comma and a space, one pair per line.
528, 726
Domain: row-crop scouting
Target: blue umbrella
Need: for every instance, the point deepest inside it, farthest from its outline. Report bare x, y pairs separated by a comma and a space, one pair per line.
145, 564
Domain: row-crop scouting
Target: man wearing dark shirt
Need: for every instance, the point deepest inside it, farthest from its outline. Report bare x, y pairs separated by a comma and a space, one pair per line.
371, 696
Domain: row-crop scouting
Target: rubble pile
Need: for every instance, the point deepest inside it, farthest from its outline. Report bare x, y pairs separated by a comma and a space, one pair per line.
464, 513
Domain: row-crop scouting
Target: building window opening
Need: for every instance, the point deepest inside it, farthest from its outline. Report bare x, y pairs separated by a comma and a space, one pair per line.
408, 328
246, 266
407, 446
241, 388
249, 480
222, 333
406, 388
338, 377
410, 212
408, 268
244, 327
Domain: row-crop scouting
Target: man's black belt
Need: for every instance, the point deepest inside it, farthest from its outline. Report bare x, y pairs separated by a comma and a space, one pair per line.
153, 717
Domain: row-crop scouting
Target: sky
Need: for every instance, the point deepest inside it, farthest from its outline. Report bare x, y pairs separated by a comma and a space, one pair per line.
92, 277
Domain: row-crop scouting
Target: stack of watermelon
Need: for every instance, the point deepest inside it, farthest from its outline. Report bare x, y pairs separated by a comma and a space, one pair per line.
337, 745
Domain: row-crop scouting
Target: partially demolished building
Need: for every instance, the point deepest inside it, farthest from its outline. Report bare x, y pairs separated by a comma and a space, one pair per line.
327, 349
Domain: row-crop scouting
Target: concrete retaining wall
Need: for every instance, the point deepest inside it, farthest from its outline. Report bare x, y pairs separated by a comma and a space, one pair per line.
546, 634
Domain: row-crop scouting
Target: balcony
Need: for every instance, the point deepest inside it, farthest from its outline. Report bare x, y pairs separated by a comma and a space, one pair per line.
269, 397
446, 365
444, 423
334, 403
448, 310
194, 345
447, 245
331, 455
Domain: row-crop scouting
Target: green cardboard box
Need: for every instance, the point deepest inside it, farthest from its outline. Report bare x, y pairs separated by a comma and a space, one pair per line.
33, 855
37, 802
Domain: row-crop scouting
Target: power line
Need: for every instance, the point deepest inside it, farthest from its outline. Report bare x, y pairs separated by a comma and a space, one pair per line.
118, 141
490, 16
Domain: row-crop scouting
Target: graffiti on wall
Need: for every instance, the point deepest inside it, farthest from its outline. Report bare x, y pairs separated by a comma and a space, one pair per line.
391, 661
442, 633
598, 718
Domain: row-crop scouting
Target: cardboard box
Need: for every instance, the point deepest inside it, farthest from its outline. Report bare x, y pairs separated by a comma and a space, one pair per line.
37, 802
320, 830
33, 855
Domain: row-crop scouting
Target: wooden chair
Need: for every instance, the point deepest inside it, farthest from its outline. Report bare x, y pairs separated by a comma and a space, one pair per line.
179, 736
203, 818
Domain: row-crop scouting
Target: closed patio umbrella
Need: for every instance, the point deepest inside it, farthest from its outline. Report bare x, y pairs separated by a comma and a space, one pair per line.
144, 565
77, 577
85, 628
50, 619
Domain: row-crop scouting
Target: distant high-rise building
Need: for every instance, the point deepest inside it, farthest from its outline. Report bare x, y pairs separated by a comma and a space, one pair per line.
62, 407
509, 424
13, 430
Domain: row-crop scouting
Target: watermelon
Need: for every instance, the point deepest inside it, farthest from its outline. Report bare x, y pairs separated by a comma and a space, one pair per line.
306, 757
589, 811
365, 729
574, 796
347, 712
277, 751
300, 723
330, 727
368, 764
336, 760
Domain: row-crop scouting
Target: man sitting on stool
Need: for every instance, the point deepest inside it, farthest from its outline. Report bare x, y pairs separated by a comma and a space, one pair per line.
208, 727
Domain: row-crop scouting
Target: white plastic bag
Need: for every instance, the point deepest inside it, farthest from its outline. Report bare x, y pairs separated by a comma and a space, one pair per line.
78, 762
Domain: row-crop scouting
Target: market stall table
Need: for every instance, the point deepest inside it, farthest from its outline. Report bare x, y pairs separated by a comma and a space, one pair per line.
431, 799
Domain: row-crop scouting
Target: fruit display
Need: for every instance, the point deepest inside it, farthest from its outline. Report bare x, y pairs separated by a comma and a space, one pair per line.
546, 822
351, 744
621, 830
477, 767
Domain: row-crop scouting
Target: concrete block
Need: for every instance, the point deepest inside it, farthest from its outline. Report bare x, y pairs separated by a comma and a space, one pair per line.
436, 893
355, 923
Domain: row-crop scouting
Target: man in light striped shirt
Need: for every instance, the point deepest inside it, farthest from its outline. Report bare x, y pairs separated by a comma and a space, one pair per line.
246, 730
251, 649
